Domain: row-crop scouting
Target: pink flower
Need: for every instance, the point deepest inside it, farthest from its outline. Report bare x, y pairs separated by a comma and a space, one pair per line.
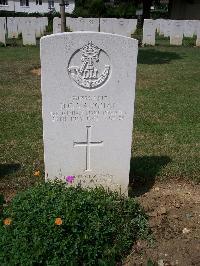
70, 178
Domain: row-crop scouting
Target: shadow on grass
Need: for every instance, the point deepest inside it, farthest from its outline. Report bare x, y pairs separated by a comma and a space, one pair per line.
7, 169
143, 171
152, 56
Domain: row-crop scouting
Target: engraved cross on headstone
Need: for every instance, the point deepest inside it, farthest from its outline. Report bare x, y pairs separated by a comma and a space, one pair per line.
88, 144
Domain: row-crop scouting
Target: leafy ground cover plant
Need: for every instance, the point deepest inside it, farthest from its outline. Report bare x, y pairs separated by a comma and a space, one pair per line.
52, 224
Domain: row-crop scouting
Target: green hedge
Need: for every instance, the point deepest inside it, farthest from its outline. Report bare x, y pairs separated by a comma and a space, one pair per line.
52, 224
98, 8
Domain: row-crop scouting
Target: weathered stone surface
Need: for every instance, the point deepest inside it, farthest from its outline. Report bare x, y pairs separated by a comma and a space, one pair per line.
28, 31
82, 24
158, 25
56, 25
149, 30
167, 27
121, 26
189, 28
2, 30
12, 27
176, 35
88, 91
198, 34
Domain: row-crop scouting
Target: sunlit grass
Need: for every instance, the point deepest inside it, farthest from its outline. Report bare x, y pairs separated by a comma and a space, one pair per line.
166, 122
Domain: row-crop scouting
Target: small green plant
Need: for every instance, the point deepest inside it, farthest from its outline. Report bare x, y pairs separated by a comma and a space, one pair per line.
52, 224
2, 44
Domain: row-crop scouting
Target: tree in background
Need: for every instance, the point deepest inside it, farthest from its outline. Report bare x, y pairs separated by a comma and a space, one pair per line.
105, 8
89, 8
114, 8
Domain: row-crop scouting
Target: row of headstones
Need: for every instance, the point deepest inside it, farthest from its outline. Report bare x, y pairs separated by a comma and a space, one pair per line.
174, 29
30, 28
121, 26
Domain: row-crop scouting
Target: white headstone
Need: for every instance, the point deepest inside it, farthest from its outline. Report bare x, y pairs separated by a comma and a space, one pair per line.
160, 26
189, 28
82, 24
89, 24
44, 24
167, 27
158, 23
28, 31
71, 24
38, 27
88, 91
107, 25
198, 33
12, 27
176, 35
121, 26
2, 30
19, 24
149, 31
125, 27
22, 23
56, 25
133, 23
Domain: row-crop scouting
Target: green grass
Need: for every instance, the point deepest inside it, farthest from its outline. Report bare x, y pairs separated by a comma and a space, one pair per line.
166, 132
167, 112
21, 123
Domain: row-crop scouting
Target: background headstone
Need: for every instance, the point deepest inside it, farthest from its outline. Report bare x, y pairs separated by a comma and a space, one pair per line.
107, 25
157, 25
198, 33
82, 24
125, 27
88, 91
44, 24
28, 31
3, 30
12, 30
38, 27
20, 24
149, 30
189, 28
176, 35
121, 26
167, 27
56, 25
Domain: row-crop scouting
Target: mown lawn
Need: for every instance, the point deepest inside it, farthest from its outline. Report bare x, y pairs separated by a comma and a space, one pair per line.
166, 135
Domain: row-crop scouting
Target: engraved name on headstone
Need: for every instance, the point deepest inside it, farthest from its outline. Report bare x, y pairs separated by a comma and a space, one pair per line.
88, 91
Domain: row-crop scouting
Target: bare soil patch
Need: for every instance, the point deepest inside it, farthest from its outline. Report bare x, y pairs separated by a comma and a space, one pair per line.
174, 216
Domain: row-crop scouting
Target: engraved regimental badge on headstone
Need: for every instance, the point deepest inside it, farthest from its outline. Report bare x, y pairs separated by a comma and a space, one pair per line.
89, 67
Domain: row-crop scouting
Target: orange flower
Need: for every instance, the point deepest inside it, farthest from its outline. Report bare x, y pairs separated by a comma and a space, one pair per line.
58, 221
37, 173
7, 221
